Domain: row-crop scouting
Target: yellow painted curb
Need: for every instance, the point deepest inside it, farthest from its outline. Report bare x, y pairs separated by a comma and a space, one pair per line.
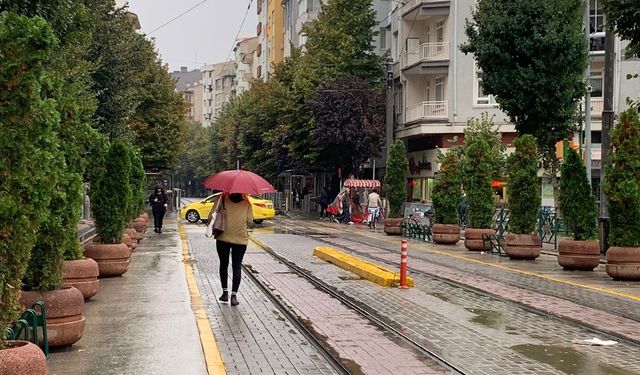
366, 270
212, 356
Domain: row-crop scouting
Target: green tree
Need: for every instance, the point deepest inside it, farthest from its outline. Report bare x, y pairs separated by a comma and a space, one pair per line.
533, 55
111, 196
395, 181
29, 146
482, 161
622, 16
577, 204
622, 184
447, 190
524, 199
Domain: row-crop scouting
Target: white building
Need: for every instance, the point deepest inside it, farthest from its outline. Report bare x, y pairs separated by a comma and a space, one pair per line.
218, 82
245, 64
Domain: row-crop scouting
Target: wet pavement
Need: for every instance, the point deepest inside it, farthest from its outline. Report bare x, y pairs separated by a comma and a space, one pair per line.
142, 322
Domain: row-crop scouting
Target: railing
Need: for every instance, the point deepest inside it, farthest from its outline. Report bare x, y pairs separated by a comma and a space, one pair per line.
597, 106
426, 52
428, 110
597, 43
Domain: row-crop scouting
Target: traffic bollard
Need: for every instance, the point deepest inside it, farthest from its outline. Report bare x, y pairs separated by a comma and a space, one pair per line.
403, 266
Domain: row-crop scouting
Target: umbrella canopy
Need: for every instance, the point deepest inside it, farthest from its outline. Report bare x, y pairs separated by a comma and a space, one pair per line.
361, 183
238, 181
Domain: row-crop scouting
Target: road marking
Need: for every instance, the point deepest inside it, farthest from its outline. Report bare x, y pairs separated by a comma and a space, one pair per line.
212, 355
529, 273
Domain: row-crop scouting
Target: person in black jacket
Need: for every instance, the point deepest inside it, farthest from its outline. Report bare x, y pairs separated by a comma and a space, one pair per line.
159, 202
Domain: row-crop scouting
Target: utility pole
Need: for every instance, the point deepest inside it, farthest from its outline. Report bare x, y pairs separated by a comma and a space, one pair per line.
607, 124
587, 97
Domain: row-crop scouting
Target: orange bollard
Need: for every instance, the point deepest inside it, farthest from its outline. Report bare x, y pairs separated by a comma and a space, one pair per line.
403, 266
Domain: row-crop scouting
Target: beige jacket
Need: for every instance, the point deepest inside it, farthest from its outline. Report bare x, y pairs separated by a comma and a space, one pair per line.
237, 216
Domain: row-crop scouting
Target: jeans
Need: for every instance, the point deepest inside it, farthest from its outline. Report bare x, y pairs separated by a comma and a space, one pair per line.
157, 218
323, 211
237, 253
346, 216
373, 213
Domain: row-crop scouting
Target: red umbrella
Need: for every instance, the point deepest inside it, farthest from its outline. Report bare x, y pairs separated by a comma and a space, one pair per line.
238, 181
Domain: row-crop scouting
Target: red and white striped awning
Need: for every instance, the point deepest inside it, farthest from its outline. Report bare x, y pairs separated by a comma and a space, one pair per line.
353, 183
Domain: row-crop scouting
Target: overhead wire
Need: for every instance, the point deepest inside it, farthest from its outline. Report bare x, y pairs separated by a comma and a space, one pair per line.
176, 17
233, 46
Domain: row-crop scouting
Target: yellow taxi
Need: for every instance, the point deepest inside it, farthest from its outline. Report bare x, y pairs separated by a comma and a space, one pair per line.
196, 211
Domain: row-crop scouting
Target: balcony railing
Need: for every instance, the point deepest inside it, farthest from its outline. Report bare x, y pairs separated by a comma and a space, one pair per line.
597, 106
597, 43
428, 111
426, 52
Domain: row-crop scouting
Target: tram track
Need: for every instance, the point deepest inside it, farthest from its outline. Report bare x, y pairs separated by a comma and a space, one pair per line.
314, 234
360, 310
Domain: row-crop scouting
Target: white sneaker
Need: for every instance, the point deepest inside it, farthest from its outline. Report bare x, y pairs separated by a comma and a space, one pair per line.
351, 223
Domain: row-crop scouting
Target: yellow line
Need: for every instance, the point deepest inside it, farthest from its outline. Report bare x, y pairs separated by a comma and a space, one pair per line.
530, 273
212, 356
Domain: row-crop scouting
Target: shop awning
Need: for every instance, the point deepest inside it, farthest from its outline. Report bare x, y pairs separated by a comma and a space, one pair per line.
352, 183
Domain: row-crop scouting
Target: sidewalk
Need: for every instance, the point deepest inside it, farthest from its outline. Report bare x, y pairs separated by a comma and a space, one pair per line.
142, 322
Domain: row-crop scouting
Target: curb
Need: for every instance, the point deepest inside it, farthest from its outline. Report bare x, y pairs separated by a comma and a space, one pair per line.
366, 270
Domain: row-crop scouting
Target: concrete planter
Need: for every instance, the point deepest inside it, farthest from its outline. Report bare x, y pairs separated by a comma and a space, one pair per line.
392, 226
130, 242
65, 323
473, 238
623, 263
22, 358
139, 225
446, 234
134, 235
112, 259
523, 246
82, 275
578, 255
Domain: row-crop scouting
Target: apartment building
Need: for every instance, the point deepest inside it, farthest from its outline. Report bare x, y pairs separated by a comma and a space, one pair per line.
245, 64
262, 50
275, 33
218, 83
189, 82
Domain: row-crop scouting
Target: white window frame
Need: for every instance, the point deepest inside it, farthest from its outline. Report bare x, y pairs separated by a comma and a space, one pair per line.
484, 101
440, 31
441, 83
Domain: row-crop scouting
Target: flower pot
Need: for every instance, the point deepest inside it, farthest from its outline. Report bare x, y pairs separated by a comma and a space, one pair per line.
82, 275
22, 358
523, 246
145, 215
578, 255
130, 242
112, 259
134, 235
623, 263
446, 234
65, 323
139, 225
392, 226
473, 239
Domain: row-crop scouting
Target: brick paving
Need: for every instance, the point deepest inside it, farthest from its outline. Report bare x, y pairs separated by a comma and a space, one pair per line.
254, 337
477, 332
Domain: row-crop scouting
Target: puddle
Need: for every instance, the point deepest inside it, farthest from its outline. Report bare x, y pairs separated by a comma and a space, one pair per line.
568, 360
489, 318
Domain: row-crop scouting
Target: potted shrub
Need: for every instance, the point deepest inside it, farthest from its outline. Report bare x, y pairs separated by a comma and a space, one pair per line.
578, 208
482, 161
110, 212
26, 135
395, 186
524, 200
622, 185
447, 194
138, 196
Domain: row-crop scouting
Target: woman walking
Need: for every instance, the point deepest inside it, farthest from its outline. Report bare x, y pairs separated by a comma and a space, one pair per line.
159, 202
233, 241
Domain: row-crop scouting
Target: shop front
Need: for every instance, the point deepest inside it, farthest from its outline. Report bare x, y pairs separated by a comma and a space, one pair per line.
423, 166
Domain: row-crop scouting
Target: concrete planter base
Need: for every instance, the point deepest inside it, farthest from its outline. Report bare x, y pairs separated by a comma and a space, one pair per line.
22, 358
82, 275
392, 226
473, 238
623, 263
112, 259
446, 234
523, 246
578, 255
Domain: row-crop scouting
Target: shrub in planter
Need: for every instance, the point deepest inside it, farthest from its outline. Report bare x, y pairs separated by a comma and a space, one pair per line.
136, 182
578, 207
447, 194
28, 118
110, 211
524, 200
482, 162
622, 186
395, 183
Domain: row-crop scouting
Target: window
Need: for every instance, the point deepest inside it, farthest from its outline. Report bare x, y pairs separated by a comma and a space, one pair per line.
428, 92
440, 35
383, 38
596, 17
596, 136
482, 97
440, 94
218, 84
596, 85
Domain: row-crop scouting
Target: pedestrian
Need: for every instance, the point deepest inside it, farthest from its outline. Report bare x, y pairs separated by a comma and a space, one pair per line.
374, 204
346, 207
233, 241
159, 203
323, 201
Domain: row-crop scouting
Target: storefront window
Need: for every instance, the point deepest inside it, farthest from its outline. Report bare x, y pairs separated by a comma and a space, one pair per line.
421, 190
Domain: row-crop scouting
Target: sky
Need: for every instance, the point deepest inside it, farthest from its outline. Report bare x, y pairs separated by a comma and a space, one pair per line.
205, 35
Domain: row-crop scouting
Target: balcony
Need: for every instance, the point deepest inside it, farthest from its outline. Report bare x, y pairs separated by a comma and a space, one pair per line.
596, 45
425, 8
428, 58
597, 106
428, 111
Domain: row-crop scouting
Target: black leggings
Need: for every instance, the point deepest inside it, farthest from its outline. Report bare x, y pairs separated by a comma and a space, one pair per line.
157, 218
237, 253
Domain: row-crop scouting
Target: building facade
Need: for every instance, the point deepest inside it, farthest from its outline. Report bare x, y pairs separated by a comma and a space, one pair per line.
189, 82
218, 83
245, 64
262, 50
275, 33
